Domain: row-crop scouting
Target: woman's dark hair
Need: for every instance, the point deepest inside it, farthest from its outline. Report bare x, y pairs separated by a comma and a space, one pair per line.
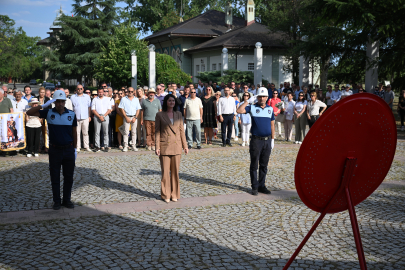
164, 106
303, 97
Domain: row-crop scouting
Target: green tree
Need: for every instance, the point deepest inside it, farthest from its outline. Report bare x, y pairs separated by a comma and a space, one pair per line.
114, 64
20, 55
79, 42
168, 71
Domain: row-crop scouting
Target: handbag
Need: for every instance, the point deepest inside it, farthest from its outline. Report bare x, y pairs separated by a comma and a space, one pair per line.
280, 118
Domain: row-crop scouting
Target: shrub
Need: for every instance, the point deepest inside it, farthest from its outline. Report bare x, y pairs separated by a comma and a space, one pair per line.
168, 71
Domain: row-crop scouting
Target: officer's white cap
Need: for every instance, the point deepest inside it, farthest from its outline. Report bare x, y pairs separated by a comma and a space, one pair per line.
262, 91
59, 95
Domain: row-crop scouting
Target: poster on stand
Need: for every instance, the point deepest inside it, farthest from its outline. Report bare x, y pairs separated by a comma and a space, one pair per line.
12, 131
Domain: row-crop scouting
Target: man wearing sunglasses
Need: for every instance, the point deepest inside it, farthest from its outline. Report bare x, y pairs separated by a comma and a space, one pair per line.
82, 108
262, 141
245, 90
101, 108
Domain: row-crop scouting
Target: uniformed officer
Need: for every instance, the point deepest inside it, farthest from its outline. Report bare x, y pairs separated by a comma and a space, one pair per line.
62, 125
262, 140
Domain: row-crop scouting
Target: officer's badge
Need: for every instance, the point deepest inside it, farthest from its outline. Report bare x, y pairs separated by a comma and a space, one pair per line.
52, 116
269, 111
257, 111
70, 118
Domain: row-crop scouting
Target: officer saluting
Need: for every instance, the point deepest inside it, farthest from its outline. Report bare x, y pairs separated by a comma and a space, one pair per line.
62, 125
262, 141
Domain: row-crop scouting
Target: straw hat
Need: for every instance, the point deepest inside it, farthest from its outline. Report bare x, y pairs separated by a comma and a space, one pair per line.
33, 101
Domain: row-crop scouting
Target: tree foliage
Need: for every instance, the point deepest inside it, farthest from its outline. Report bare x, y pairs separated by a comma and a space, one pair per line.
19, 54
168, 71
230, 75
78, 44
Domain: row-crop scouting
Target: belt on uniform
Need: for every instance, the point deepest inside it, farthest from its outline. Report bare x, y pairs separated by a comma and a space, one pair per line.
62, 146
261, 138
227, 114
130, 115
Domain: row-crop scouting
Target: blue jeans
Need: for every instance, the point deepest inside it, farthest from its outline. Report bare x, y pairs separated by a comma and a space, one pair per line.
191, 125
66, 159
236, 126
259, 155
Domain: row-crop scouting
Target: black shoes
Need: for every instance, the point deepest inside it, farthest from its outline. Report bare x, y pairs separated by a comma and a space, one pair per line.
68, 204
255, 192
229, 144
56, 206
198, 147
223, 145
264, 190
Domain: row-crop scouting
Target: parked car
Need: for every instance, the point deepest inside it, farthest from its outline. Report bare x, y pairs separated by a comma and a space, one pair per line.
48, 85
33, 82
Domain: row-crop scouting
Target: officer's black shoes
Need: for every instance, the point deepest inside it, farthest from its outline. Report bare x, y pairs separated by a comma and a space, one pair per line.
255, 192
229, 144
106, 149
68, 204
223, 145
264, 190
56, 206
199, 147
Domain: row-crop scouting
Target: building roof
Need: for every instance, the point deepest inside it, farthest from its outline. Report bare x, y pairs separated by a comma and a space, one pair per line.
208, 24
45, 41
244, 37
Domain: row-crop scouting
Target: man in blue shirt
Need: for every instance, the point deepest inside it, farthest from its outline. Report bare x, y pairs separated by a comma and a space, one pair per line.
262, 141
62, 125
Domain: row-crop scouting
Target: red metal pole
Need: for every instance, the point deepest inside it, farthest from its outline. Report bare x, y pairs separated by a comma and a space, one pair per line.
356, 232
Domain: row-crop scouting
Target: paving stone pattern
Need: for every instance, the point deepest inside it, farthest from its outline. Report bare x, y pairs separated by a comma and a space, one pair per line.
255, 235
126, 178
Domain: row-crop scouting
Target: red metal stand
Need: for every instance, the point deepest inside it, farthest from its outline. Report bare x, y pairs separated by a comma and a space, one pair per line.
344, 187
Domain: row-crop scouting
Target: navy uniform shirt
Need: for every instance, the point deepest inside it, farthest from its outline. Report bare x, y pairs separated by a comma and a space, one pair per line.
59, 125
261, 119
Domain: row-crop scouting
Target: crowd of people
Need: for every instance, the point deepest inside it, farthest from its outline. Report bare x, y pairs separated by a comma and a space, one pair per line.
124, 118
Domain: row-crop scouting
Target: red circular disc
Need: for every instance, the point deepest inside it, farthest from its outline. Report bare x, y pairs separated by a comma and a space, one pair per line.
360, 126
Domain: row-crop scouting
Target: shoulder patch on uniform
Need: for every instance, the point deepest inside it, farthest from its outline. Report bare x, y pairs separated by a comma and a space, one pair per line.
52, 116
257, 111
70, 118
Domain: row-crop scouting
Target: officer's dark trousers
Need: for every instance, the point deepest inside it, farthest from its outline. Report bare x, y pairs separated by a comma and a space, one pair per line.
227, 123
64, 158
259, 155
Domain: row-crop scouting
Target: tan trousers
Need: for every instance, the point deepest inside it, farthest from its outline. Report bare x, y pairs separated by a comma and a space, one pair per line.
170, 187
133, 131
150, 132
83, 126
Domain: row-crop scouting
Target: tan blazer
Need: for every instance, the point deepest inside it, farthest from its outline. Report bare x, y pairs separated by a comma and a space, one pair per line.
170, 139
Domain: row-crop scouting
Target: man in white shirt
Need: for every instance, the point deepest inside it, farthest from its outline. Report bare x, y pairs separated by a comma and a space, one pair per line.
329, 101
81, 106
193, 111
20, 104
129, 107
101, 108
227, 115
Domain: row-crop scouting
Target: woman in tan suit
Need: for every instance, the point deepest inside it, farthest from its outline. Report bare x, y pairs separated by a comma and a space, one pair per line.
170, 140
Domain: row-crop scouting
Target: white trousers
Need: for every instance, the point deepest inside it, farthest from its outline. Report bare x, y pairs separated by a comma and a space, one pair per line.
245, 132
83, 126
278, 128
133, 132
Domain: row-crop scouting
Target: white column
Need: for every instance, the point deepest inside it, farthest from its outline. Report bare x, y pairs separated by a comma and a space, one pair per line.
373, 51
152, 66
224, 60
258, 62
304, 71
134, 70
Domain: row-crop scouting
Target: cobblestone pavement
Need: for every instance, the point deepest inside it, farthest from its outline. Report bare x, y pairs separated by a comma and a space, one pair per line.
125, 178
255, 235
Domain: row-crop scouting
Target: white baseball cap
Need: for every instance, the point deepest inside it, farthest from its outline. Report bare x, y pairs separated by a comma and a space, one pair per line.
59, 94
262, 91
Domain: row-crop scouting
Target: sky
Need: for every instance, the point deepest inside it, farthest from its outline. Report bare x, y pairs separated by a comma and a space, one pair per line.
35, 16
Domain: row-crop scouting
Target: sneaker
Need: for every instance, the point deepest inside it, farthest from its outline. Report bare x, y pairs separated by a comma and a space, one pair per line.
125, 149
106, 149
296, 142
149, 148
247, 144
56, 206
198, 147
36, 155
97, 149
120, 147
88, 150
77, 150
300, 142
29, 155
135, 149
264, 190
68, 204
236, 139
153, 148
255, 192
243, 144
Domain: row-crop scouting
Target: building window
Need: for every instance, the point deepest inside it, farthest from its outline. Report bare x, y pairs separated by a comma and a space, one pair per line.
203, 68
178, 56
219, 66
174, 54
251, 66
214, 67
